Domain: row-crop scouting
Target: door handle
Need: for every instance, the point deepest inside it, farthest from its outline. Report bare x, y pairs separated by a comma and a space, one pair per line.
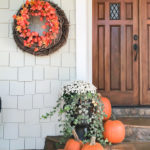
136, 49
135, 37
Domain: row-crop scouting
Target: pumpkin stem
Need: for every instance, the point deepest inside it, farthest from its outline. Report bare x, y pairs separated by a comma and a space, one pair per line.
75, 135
93, 139
99, 94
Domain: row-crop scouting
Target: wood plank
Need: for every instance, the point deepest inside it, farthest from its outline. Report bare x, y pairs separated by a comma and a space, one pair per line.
101, 11
115, 63
101, 57
129, 11
94, 45
148, 38
123, 59
114, 22
107, 58
144, 53
129, 50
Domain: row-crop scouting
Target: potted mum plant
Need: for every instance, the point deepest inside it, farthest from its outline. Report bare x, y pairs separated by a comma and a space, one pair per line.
79, 107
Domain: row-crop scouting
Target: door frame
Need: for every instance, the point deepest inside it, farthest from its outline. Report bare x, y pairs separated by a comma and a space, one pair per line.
140, 53
84, 40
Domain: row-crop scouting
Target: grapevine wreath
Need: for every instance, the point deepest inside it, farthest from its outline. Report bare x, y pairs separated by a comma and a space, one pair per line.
56, 24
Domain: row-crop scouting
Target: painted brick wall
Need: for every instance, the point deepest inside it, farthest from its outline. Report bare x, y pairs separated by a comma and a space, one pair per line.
29, 85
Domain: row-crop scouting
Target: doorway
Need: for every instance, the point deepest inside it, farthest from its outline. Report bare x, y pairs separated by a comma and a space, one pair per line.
121, 50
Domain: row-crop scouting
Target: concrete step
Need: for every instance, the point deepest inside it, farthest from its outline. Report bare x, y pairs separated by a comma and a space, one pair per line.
131, 111
137, 129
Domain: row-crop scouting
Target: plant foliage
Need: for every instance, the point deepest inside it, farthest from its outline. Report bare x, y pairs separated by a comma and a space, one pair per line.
77, 107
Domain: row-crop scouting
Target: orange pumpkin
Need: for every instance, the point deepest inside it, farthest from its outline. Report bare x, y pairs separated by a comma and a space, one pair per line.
93, 145
73, 144
114, 131
107, 107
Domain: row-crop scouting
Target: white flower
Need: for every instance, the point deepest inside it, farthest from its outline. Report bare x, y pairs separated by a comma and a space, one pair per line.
79, 87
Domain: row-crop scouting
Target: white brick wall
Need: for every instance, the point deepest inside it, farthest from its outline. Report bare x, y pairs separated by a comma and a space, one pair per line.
38, 73
4, 144
4, 88
48, 129
4, 59
32, 116
4, 30
30, 143
1, 131
4, 4
51, 73
30, 88
16, 59
17, 144
25, 74
38, 101
16, 88
68, 60
7, 73
15, 4
40, 143
29, 85
13, 115
64, 73
29, 130
25, 102
9, 101
11, 131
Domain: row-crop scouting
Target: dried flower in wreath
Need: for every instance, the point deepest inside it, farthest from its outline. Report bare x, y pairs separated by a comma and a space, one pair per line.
56, 24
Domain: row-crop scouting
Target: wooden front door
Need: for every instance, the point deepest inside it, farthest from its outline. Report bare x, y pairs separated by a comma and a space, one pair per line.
115, 50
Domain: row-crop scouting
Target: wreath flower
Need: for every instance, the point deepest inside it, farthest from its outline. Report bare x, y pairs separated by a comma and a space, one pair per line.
45, 11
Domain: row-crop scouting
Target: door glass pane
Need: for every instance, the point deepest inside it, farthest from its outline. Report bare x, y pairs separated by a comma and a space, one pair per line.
114, 11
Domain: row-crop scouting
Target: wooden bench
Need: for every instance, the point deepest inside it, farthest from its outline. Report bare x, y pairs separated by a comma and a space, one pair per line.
52, 143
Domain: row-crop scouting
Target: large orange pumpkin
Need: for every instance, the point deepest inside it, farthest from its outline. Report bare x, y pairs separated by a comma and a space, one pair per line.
93, 145
73, 144
114, 131
107, 107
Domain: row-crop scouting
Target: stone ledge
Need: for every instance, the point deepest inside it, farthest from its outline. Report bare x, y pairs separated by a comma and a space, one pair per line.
131, 111
137, 129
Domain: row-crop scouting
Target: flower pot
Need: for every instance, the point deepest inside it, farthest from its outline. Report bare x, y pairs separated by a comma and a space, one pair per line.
81, 130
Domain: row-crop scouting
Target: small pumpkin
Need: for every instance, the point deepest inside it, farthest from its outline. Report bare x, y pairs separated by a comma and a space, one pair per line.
114, 131
73, 144
93, 145
107, 107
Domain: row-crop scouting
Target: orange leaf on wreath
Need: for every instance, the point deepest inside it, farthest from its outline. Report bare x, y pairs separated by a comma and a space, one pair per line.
27, 2
41, 18
44, 26
36, 49
14, 16
18, 28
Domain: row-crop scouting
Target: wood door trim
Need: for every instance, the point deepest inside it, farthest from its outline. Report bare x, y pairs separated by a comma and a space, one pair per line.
94, 39
140, 52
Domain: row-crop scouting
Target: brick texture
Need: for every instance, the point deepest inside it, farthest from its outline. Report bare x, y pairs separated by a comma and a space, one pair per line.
29, 85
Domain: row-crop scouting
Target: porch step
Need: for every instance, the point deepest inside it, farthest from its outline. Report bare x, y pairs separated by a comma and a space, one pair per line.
51, 142
131, 112
130, 146
137, 129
